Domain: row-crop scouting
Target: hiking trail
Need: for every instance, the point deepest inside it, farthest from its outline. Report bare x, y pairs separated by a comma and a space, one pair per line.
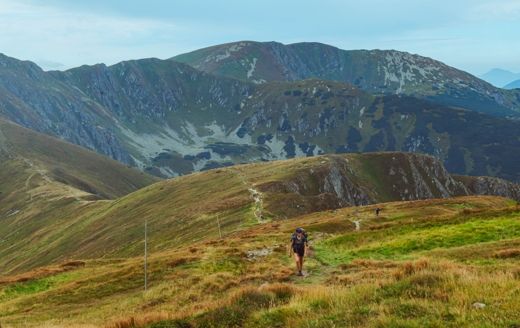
255, 194
63, 190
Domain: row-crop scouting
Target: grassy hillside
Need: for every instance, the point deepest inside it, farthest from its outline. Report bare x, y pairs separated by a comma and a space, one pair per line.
70, 164
189, 209
420, 264
186, 209
45, 186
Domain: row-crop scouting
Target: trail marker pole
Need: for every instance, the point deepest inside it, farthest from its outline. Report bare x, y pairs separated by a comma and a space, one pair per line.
145, 255
219, 231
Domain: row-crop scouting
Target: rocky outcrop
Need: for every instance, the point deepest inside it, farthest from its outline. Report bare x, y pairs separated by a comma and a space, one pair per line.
335, 181
170, 119
490, 186
37, 100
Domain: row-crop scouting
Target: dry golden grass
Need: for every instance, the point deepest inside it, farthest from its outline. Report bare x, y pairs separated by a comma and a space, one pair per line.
140, 320
42, 272
508, 253
212, 280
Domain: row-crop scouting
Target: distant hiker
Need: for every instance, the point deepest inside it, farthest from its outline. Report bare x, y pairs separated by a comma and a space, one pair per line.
299, 244
378, 210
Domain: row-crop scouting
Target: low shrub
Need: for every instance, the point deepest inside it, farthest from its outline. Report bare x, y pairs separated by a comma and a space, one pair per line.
508, 253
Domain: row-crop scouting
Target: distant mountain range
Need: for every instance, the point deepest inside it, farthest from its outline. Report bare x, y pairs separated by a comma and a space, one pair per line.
500, 77
375, 71
251, 101
513, 85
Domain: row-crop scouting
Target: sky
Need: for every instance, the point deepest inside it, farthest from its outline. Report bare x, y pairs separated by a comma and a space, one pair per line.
473, 35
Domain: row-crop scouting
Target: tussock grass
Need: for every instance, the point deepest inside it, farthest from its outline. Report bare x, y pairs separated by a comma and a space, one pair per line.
213, 283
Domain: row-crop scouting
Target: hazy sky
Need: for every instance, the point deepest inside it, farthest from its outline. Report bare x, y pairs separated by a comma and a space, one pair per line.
474, 35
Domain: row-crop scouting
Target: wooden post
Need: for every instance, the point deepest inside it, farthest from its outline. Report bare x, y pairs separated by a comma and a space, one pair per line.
219, 230
145, 255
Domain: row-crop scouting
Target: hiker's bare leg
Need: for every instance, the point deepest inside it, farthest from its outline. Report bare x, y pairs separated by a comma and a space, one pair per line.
297, 260
301, 263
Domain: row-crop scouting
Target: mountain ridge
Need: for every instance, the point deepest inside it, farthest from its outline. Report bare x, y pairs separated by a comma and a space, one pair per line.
513, 85
375, 71
239, 196
169, 119
500, 77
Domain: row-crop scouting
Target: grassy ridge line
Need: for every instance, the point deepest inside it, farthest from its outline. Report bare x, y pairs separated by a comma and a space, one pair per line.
185, 210
179, 212
74, 165
47, 185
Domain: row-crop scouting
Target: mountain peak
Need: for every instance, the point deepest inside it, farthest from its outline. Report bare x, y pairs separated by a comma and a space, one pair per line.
8, 62
513, 85
500, 77
375, 71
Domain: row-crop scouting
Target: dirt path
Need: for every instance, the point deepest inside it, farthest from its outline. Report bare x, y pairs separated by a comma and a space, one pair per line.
357, 222
63, 189
255, 194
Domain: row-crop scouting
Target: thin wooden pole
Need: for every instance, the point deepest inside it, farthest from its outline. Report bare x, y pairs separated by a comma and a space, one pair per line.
145, 255
219, 230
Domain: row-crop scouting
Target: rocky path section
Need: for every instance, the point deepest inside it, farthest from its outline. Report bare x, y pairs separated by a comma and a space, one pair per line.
256, 195
357, 224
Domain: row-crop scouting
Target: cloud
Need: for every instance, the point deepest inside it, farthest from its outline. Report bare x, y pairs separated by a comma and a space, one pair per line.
66, 36
49, 64
496, 10
471, 34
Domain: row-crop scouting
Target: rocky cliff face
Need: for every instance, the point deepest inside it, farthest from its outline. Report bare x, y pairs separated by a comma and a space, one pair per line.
490, 186
36, 100
170, 119
335, 181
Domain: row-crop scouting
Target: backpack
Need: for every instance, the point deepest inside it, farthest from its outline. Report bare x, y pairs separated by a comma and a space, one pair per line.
293, 237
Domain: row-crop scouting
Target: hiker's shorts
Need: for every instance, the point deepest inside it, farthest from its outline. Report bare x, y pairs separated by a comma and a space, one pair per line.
299, 251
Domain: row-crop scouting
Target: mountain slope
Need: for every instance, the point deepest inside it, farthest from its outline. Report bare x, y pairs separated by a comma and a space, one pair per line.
159, 104
375, 71
239, 122
513, 85
35, 99
500, 77
189, 208
418, 262
69, 164
169, 119
45, 185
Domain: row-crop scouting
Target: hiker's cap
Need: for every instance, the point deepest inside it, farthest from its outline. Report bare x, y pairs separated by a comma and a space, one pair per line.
299, 230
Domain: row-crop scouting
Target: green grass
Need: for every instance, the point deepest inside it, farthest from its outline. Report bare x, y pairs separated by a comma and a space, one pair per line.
412, 242
73, 165
212, 283
30, 287
370, 277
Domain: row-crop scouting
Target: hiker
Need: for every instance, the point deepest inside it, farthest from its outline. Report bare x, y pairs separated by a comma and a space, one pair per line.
299, 245
378, 210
